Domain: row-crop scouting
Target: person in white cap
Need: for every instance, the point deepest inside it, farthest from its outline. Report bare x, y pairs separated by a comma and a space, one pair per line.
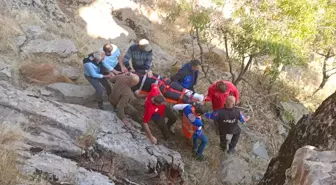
141, 55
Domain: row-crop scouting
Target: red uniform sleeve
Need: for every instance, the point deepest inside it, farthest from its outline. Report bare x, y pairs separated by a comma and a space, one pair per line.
210, 92
234, 91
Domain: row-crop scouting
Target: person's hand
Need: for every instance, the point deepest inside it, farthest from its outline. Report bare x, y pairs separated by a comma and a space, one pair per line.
153, 140
207, 115
116, 72
150, 74
126, 122
132, 70
124, 69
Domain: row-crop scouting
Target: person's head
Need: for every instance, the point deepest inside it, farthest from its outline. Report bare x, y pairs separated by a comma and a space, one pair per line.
98, 56
144, 45
230, 101
158, 100
133, 79
108, 48
195, 65
200, 109
221, 87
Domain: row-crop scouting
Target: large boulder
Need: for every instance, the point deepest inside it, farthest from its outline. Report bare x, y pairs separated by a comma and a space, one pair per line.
61, 47
62, 171
235, 171
312, 167
71, 93
71, 72
69, 130
291, 112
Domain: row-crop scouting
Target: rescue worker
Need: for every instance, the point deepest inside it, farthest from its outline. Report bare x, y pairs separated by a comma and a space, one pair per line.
112, 57
188, 74
157, 110
172, 91
122, 95
192, 127
92, 72
218, 91
227, 119
141, 56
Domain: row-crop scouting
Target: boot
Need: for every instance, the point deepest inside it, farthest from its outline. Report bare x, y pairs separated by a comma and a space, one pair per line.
101, 105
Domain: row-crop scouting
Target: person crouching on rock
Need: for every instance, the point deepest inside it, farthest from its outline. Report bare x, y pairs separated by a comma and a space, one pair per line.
122, 95
92, 72
192, 126
227, 119
157, 110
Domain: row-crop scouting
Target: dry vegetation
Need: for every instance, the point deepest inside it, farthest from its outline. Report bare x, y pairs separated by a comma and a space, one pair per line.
10, 173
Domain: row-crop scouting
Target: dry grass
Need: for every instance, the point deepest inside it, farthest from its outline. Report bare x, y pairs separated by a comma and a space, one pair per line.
10, 173
41, 74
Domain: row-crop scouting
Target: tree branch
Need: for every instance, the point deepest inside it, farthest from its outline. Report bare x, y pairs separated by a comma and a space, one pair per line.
250, 85
227, 54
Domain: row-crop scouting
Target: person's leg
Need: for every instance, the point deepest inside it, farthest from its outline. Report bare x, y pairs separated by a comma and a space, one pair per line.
163, 127
135, 115
106, 85
99, 90
171, 116
204, 142
195, 144
234, 140
222, 137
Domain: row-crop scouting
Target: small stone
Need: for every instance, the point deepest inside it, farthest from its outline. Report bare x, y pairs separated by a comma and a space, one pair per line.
45, 92
259, 148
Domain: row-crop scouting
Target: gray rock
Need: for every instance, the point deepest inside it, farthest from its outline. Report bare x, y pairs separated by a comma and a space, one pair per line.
161, 60
71, 72
19, 40
259, 148
291, 112
64, 170
5, 71
310, 167
282, 130
235, 171
56, 127
62, 47
70, 93
33, 32
45, 92
38, 2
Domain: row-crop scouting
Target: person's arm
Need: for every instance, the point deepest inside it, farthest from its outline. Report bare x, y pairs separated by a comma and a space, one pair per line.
148, 62
113, 79
213, 115
243, 118
179, 106
121, 109
107, 66
210, 93
149, 133
93, 73
138, 95
127, 57
235, 93
177, 76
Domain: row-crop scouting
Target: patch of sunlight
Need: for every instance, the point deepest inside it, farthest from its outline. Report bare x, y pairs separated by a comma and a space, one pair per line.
99, 20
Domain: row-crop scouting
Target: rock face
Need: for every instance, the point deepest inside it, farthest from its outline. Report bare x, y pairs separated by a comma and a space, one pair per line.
5, 71
312, 167
292, 112
62, 47
71, 131
63, 171
259, 148
71, 72
316, 130
235, 171
70, 93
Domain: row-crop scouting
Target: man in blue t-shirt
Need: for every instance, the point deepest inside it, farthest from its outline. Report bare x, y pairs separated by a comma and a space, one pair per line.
112, 58
192, 126
227, 119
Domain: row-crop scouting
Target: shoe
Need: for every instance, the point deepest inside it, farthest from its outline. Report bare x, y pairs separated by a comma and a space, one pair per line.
101, 105
231, 151
200, 158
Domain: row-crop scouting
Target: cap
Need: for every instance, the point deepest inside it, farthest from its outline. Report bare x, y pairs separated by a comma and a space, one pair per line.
145, 43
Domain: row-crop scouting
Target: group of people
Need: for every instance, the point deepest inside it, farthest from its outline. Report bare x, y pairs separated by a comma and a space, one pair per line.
133, 78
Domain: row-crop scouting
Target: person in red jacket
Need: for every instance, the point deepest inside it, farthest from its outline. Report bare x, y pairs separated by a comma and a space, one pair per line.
219, 91
157, 110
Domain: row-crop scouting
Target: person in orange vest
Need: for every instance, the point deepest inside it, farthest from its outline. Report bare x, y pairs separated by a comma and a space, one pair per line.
192, 126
